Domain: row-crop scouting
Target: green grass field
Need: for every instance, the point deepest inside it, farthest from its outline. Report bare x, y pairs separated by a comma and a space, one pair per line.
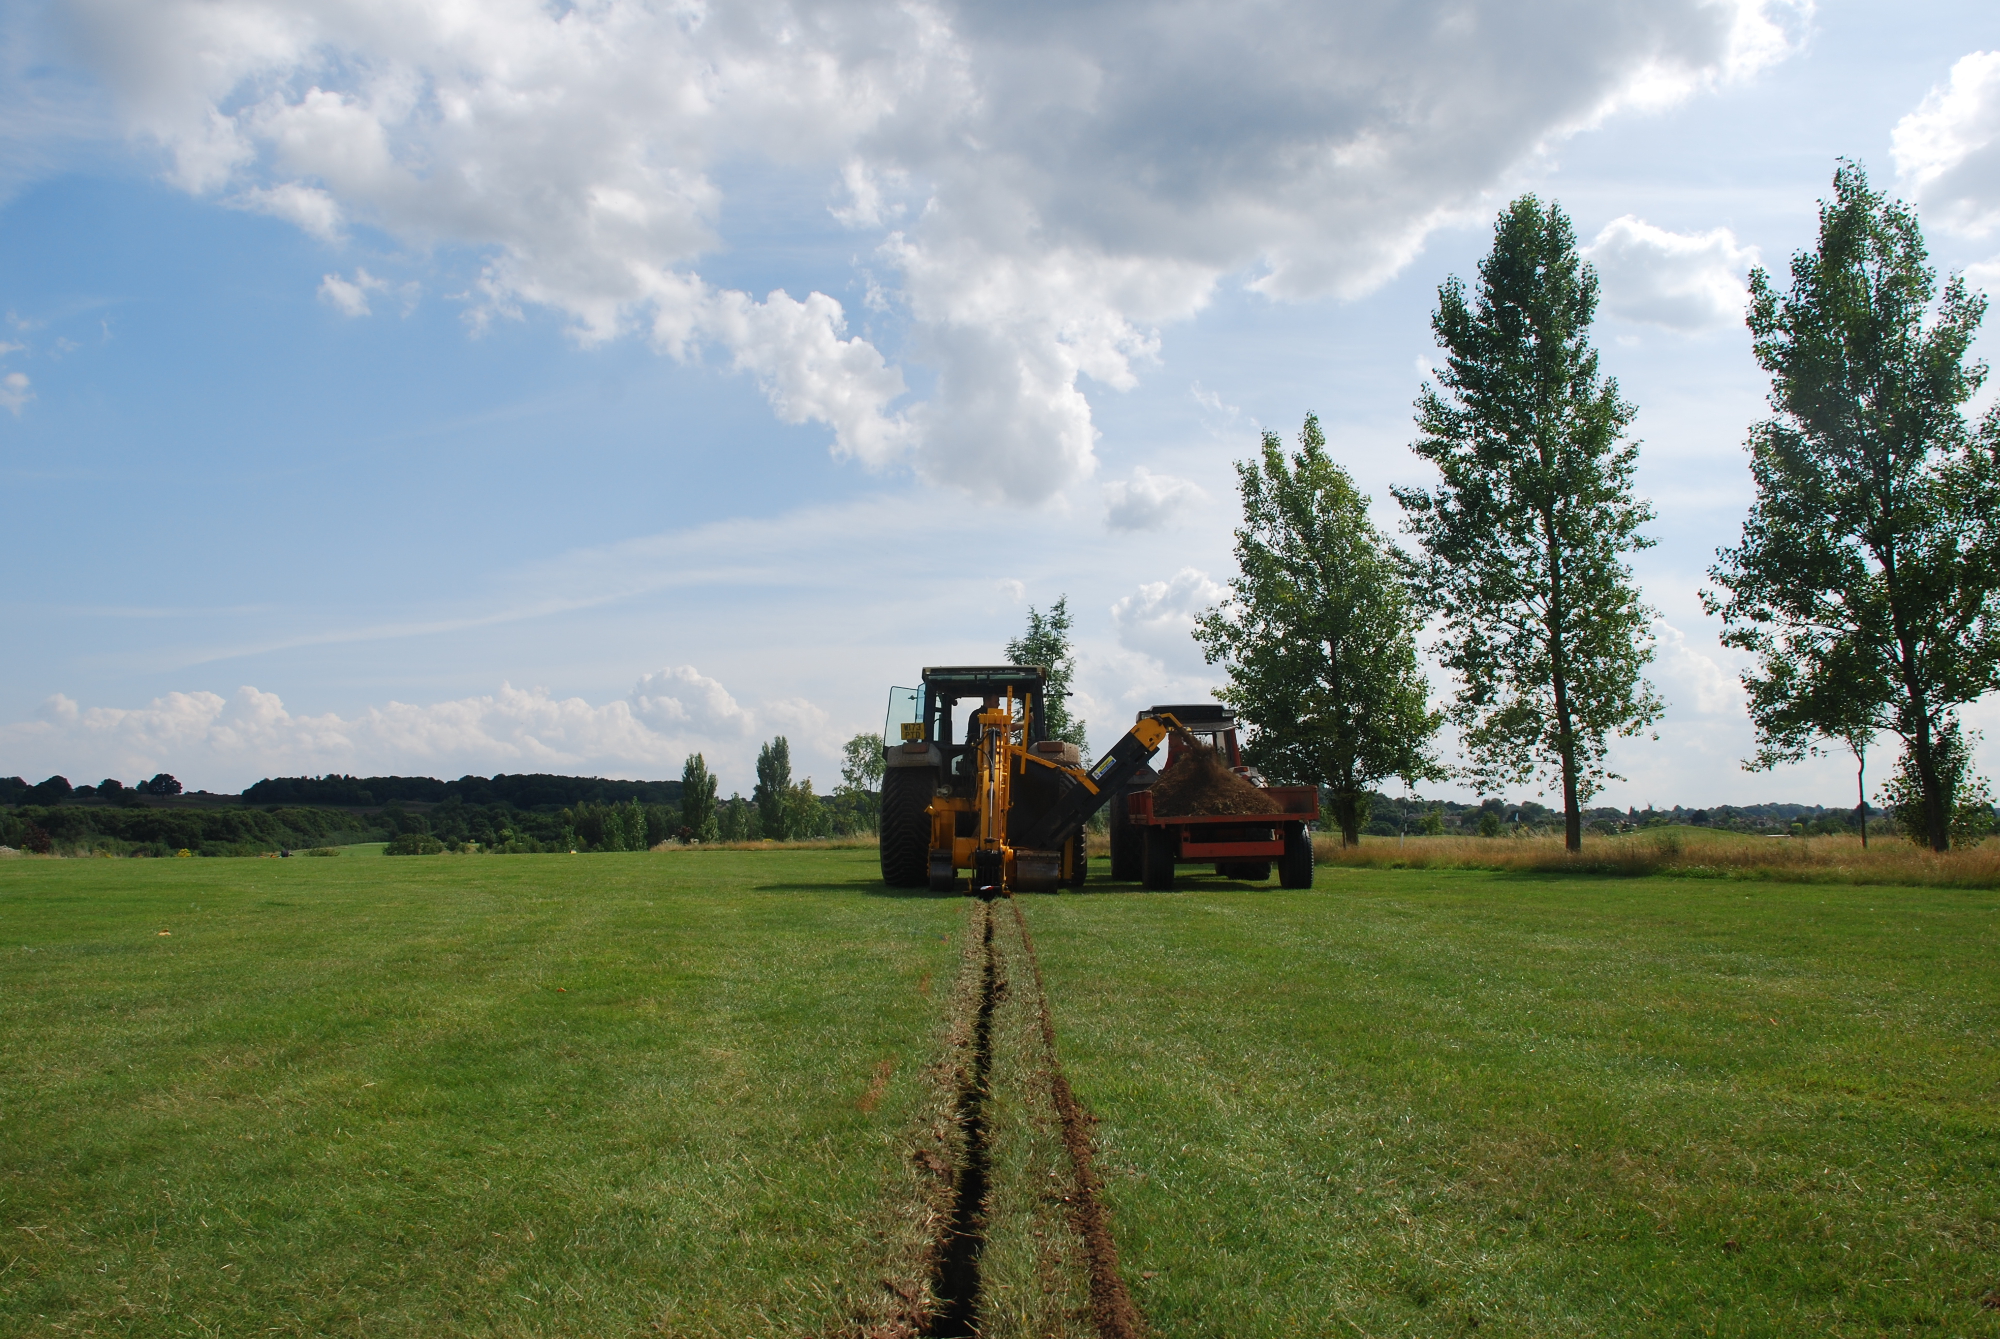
1445, 1101
528, 1095
678, 1094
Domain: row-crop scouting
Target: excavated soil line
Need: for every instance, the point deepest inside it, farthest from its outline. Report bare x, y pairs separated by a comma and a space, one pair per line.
955, 1275
1111, 1307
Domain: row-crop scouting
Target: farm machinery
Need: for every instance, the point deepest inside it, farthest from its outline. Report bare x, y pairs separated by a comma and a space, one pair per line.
1149, 839
1007, 803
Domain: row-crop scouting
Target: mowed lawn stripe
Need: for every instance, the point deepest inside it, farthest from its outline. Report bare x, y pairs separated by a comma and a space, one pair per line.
595, 1094
1434, 1102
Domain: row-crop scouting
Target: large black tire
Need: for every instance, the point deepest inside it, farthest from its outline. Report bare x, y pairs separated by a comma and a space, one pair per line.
906, 828
1128, 844
1158, 873
1295, 869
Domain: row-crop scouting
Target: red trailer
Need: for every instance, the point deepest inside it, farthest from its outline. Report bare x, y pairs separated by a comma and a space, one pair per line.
1243, 846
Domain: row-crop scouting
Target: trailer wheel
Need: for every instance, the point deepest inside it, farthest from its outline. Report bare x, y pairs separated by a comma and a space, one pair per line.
1295, 868
1158, 872
906, 827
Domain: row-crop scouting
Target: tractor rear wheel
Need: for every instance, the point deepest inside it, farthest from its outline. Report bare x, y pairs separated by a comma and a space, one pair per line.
1295, 868
906, 827
1158, 871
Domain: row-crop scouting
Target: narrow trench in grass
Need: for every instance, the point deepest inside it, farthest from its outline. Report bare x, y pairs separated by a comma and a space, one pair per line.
955, 1284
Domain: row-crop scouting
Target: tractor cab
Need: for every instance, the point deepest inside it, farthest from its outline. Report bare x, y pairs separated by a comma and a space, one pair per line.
936, 722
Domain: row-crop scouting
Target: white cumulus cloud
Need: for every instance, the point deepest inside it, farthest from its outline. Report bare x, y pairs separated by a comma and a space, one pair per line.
15, 391
682, 698
1148, 501
1948, 150
1692, 678
1684, 281
350, 296
309, 207
1064, 182
225, 743
1158, 618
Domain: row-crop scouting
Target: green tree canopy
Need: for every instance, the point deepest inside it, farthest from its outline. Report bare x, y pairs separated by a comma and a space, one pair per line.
862, 763
774, 784
1866, 579
698, 798
1046, 643
1970, 817
1318, 636
1526, 534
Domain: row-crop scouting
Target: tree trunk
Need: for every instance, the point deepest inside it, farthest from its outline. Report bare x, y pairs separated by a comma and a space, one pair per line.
1572, 811
1861, 794
1559, 683
1937, 822
1937, 818
1347, 811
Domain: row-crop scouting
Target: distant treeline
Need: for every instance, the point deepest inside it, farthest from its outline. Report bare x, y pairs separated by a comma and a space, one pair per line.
79, 829
538, 812
499, 815
529, 790
1388, 815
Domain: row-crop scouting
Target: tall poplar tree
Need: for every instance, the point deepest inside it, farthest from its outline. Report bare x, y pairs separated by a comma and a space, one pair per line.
1318, 636
1526, 534
1867, 582
774, 785
698, 798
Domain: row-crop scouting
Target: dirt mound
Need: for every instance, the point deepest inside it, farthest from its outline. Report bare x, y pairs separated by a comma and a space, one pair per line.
1200, 782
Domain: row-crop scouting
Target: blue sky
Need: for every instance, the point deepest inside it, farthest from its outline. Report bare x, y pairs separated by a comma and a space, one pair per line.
570, 389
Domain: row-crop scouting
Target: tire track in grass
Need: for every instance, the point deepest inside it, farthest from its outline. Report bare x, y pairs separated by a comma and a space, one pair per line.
1112, 1310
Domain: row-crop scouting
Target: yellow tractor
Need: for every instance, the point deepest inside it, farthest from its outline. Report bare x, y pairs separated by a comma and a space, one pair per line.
1002, 800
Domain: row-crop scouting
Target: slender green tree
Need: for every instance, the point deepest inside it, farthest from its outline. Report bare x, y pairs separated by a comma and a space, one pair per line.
1318, 636
1046, 643
1969, 816
861, 766
862, 763
1867, 582
805, 816
698, 798
1801, 706
774, 783
1525, 536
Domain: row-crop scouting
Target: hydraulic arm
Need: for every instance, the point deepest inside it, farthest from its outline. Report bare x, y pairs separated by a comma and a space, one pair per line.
1084, 793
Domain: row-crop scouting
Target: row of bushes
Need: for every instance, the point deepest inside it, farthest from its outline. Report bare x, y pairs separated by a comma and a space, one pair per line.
73, 829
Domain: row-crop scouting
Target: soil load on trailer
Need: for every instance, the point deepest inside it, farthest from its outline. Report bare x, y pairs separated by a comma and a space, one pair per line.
1199, 783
